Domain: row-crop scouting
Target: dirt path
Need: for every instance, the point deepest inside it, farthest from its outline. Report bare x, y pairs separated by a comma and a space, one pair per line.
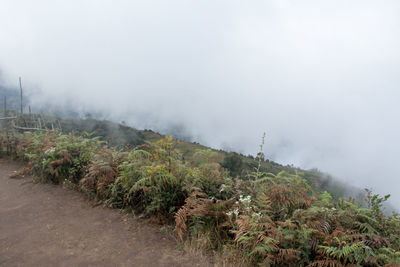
46, 225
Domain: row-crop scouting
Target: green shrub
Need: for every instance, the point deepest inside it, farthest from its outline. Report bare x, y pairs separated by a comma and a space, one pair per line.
152, 180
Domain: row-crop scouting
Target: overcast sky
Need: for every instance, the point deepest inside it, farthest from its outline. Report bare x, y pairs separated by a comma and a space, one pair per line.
321, 78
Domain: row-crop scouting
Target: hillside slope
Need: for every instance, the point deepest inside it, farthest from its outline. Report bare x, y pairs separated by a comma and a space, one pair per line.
261, 218
239, 165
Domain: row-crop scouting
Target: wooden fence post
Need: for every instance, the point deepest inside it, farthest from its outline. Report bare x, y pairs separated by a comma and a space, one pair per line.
20, 86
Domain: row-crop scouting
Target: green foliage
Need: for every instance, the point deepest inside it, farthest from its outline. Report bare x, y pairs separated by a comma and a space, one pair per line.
234, 163
270, 218
209, 177
152, 180
55, 157
277, 220
114, 134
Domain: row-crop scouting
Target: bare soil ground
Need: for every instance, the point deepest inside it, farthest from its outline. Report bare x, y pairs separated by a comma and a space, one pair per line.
47, 225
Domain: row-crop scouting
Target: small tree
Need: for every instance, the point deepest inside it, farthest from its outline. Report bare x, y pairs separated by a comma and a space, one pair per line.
234, 163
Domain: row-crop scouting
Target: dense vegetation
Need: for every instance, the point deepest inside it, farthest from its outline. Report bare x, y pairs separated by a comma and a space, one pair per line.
115, 134
267, 219
238, 165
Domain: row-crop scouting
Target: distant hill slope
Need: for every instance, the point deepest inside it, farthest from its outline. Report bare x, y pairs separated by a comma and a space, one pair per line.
115, 134
239, 165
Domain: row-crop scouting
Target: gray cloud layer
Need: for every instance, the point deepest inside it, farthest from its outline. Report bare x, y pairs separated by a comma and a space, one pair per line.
320, 77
